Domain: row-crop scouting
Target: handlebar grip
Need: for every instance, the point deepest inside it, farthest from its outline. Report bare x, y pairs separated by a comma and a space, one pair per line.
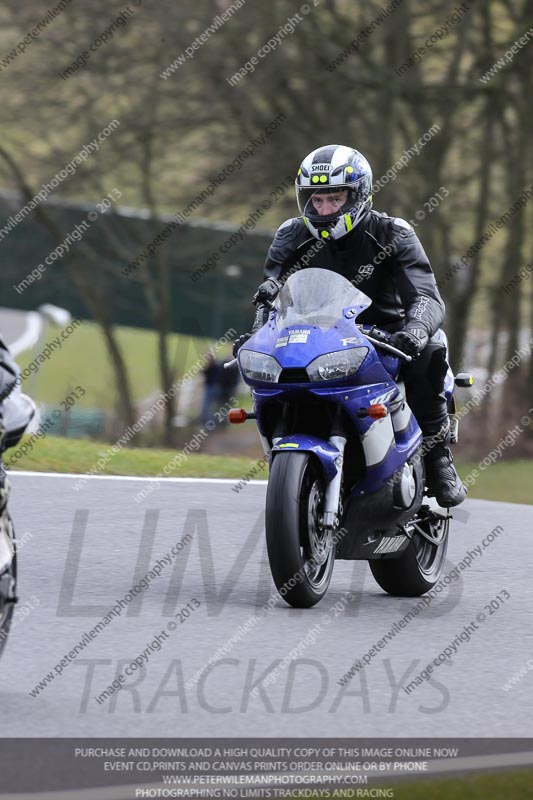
376, 332
389, 347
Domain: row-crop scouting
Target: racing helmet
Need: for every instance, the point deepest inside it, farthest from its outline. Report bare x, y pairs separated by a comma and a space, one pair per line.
334, 170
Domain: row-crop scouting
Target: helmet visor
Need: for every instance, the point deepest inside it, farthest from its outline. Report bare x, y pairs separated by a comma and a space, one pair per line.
325, 205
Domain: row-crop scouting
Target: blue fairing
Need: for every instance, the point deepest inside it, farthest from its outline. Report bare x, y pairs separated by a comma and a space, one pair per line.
342, 336
303, 327
324, 451
405, 443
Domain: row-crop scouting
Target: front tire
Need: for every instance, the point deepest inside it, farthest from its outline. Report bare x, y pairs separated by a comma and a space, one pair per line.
419, 567
301, 553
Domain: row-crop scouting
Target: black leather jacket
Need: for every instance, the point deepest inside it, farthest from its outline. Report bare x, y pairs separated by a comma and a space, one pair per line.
9, 373
382, 257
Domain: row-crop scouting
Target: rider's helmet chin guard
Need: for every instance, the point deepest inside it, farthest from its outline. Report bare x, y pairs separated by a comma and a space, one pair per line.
332, 169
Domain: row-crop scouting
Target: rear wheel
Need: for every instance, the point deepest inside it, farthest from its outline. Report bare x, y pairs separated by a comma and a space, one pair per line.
300, 551
8, 580
419, 567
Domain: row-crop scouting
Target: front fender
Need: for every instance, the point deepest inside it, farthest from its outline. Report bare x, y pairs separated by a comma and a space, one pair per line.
322, 449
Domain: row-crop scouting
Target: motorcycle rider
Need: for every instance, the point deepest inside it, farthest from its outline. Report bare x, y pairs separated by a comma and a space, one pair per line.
382, 256
9, 387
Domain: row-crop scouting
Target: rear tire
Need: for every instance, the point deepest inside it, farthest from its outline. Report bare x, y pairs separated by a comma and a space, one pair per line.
300, 552
419, 567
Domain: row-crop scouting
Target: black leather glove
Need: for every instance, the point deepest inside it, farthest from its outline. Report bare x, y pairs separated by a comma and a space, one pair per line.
267, 291
410, 341
238, 343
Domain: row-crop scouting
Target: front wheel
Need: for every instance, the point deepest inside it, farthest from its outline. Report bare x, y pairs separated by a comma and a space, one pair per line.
301, 553
8, 577
419, 567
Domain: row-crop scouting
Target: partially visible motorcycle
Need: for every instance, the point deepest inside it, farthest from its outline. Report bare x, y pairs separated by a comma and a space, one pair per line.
17, 411
347, 477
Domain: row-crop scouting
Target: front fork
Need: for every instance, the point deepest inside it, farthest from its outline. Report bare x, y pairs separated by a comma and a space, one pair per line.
333, 490
330, 517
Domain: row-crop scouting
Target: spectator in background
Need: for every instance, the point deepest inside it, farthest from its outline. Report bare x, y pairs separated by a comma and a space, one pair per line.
229, 380
211, 373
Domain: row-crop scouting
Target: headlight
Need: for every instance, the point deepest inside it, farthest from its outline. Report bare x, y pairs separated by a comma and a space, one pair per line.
337, 365
259, 367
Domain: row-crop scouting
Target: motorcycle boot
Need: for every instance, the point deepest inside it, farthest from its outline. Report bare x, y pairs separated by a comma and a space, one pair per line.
442, 480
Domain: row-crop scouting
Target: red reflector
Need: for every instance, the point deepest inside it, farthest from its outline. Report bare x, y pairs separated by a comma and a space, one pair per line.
377, 411
237, 415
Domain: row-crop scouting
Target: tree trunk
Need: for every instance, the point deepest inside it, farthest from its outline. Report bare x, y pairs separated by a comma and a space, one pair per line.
159, 298
462, 300
83, 283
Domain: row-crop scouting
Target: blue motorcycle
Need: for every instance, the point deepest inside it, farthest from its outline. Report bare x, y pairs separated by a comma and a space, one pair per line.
347, 476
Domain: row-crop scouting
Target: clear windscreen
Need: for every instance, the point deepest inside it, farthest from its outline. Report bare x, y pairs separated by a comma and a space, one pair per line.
317, 297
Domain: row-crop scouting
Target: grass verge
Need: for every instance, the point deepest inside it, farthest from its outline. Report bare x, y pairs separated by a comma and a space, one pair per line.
57, 454
490, 786
508, 481
83, 361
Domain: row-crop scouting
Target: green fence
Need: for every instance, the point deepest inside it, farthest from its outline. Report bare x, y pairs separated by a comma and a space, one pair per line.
204, 298
76, 423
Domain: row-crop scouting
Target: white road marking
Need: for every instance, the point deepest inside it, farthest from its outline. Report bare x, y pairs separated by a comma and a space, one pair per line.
30, 336
79, 475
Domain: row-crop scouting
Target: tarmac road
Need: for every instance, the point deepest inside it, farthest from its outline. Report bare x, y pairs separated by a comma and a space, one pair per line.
83, 550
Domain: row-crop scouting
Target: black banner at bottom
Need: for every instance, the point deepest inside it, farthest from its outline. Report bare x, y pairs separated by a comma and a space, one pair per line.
120, 769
